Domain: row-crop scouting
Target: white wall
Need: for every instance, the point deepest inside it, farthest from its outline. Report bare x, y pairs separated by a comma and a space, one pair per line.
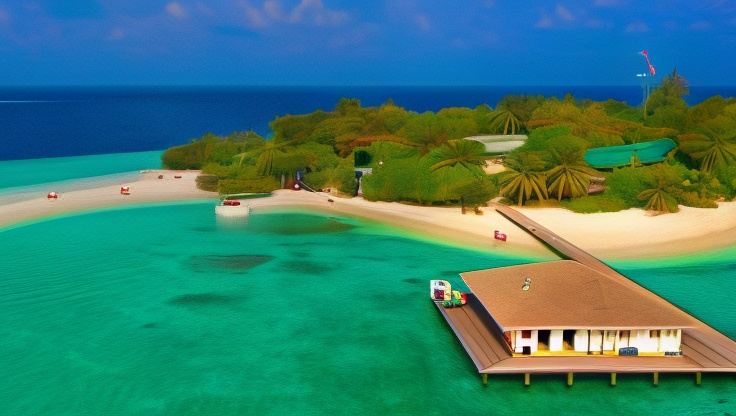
642, 340
555, 340
520, 343
609, 340
580, 343
596, 341
669, 340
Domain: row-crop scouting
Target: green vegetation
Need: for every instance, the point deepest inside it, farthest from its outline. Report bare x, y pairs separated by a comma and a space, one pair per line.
421, 158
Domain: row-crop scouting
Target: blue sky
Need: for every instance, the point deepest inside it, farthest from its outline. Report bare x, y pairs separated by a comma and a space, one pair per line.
380, 42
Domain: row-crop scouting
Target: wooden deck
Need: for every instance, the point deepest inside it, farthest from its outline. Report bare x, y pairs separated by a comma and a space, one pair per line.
704, 349
484, 344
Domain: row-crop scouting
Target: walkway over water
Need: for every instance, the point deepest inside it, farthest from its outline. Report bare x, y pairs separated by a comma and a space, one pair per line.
704, 349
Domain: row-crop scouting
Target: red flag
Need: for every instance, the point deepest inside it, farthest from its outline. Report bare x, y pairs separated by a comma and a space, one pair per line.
652, 70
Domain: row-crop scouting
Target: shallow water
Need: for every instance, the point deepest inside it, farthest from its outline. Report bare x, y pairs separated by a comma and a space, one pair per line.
56, 173
161, 311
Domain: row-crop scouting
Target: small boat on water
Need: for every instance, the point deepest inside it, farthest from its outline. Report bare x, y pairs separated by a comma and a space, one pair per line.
232, 208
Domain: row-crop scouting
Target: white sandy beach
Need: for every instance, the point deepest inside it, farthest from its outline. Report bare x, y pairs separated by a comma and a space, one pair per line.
627, 234
148, 188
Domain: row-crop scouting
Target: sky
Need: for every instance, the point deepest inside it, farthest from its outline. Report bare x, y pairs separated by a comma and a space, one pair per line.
348, 42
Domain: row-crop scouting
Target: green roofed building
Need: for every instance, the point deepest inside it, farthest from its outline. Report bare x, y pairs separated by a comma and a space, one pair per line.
616, 156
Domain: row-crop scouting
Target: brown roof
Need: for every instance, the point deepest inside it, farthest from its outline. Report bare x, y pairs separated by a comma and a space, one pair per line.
568, 295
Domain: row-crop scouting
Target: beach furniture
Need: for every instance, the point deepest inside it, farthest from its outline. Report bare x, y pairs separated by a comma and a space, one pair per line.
125, 190
52, 195
498, 235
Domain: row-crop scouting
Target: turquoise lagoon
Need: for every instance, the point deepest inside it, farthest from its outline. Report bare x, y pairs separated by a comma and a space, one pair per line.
21, 173
160, 310
30, 178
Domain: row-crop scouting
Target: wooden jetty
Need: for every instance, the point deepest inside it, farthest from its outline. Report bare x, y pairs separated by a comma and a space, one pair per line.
703, 348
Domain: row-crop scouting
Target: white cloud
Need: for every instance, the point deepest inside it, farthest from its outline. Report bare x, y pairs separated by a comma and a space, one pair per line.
564, 13
312, 12
176, 10
544, 22
316, 12
254, 18
423, 23
637, 26
272, 9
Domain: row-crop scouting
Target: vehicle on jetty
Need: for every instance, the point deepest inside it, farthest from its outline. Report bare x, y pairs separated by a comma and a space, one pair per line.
440, 291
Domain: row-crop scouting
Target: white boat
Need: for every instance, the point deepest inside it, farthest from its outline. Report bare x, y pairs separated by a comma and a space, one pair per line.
232, 208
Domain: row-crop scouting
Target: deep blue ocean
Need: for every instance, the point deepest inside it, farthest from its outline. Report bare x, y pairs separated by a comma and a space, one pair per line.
51, 122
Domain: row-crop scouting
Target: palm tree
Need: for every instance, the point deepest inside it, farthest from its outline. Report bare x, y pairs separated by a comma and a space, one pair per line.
714, 146
466, 153
265, 156
524, 178
713, 151
570, 176
658, 199
505, 121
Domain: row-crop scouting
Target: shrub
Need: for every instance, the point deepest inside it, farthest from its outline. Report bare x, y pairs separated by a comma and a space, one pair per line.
727, 178
477, 192
188, 156
343, 177
317, 180
595, 203
597, 139
207, 182
234, 186
208, 148
627, 183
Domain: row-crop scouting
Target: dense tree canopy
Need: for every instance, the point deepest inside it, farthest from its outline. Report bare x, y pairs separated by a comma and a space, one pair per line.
422, 157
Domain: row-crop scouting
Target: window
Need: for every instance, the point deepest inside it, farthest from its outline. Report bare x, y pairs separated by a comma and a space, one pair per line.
526, 334
654, 333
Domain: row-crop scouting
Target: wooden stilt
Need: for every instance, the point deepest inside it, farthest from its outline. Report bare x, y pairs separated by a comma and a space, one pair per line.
527, 379
484, 377
613, 379
569, 379
698, 378
655, 378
